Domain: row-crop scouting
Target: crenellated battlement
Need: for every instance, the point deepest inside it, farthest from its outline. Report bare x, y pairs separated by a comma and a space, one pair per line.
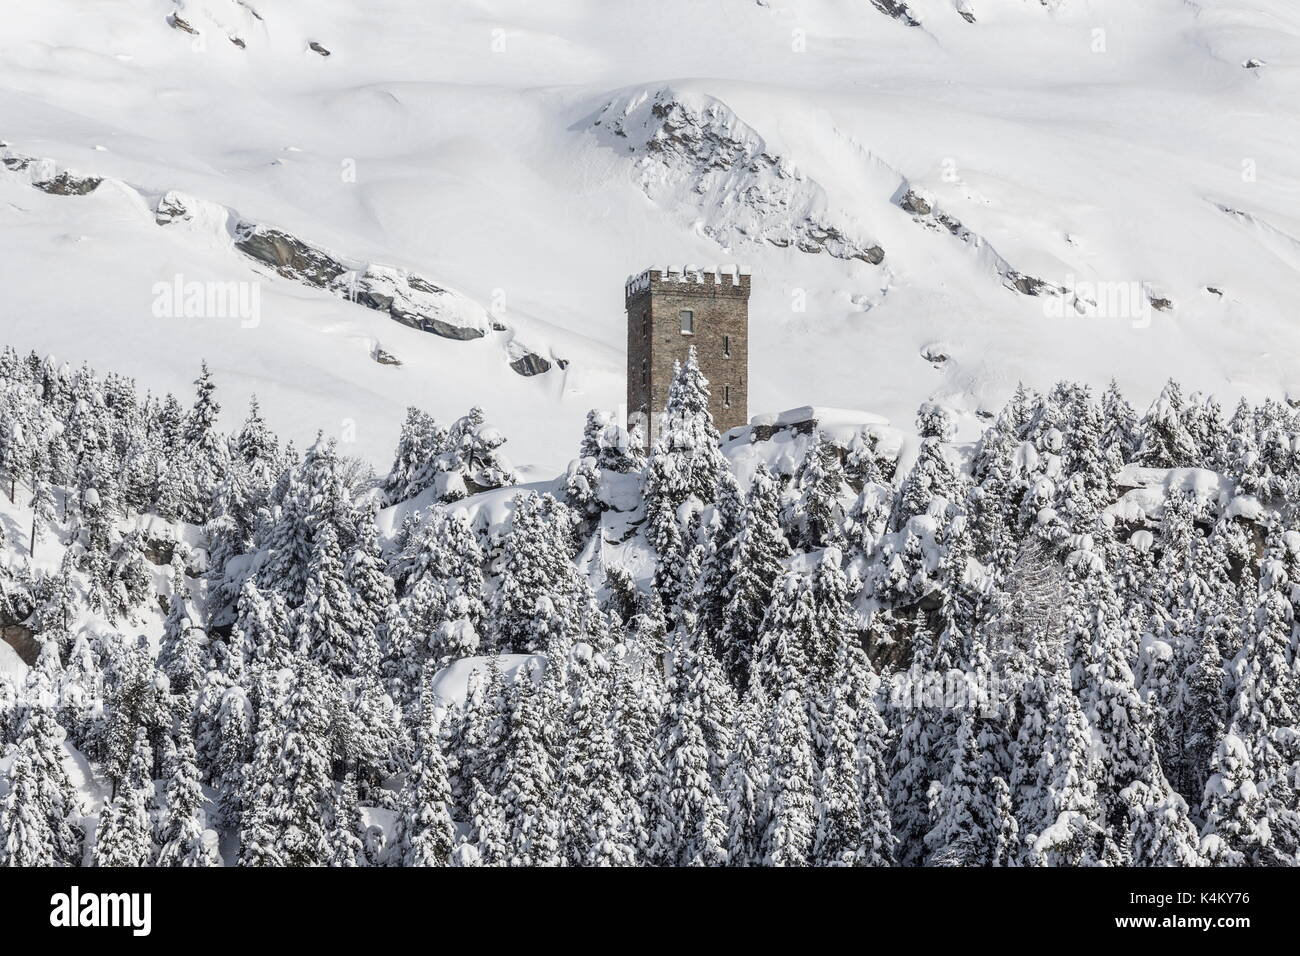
732, 278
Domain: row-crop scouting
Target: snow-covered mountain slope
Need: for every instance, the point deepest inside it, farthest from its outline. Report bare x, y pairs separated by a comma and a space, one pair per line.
937, 198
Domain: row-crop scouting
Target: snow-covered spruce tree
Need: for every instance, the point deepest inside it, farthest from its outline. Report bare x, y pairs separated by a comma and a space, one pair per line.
1236, 830
329, 628
916, 758
682, 473
137, 701
744, 786
262, 633
234, 754
760, 548
38, 811
1054, 774
851, 740
1120, 423
1164, 441
344, 827
595, 806
291, 787
420, 442
528, 789
973, 822
791, 809
694, 830
205, 450
637, 670
608, 443
181, 649
424, 833
124, 836
540, 597
1264, 708
182, 831
1130, 767
372, 592
471, 459
823, 487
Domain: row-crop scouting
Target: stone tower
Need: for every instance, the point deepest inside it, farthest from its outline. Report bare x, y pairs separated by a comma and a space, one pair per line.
668, 311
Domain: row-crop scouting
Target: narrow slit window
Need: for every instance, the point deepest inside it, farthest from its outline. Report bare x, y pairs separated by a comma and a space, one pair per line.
645, 371
726, 395
688, 321
645, 324
726, 346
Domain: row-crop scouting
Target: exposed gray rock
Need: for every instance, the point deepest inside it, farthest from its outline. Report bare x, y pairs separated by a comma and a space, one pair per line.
170, 209
317, 48
415, 302
177, 23
695, 148
383, 357
530, 364
159, 551
915, 204
934, 354
22, 640
898, 10
67, 184
290, 256
1029, 285
925, 212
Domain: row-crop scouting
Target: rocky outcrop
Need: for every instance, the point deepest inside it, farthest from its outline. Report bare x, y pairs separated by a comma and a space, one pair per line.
405, 296
530, 364
68, 184
176, 22
290, 256
384, 357
21, 639
48, 176
898, 10
415, 301
691, 150
926, 212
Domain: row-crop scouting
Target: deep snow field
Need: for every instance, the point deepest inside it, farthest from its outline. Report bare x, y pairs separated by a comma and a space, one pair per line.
529, 156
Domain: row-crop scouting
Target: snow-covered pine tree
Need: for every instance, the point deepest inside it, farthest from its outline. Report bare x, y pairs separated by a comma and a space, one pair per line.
424, 833
182, 833
760, 548
527, 793
682, 472
125, 834
38, 812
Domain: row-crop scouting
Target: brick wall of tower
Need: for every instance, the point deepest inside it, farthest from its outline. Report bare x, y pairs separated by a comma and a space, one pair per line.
655, 341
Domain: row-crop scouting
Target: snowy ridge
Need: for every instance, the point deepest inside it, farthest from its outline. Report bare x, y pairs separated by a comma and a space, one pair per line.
407, 297
693, 155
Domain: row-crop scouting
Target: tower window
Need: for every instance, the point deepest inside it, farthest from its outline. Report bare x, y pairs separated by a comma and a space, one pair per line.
726, 395
688, 321
645, 323
726, 346
645, 371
